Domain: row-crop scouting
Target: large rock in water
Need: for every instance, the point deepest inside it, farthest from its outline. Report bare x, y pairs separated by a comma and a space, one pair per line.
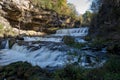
29, 17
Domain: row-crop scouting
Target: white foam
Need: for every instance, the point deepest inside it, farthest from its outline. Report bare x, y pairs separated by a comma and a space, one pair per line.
7, 44
72, 32
10, 56
51, 39
42, 57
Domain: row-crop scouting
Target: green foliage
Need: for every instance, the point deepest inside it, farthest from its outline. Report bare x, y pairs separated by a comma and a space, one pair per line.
45, 4
51, 30
110, 71
112, 64
114, 48
98, 43
72, 10
87, 38
60, 6
72, 53
79, 45
106, 21
24, 71
87, 16
70, 72
68, 40
79, 20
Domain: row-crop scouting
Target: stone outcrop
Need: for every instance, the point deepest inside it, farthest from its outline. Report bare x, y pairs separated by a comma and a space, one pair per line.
5, 28
23, 14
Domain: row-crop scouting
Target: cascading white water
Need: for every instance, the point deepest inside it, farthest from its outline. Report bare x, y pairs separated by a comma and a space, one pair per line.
7, 44
59, 34
44, 56
51, 39
4, 44
72, 32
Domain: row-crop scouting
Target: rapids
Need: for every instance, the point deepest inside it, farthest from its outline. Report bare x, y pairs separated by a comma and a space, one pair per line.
72, 32
50, 52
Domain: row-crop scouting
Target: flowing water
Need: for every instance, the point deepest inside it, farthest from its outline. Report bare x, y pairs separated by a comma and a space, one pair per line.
50, 52
4, 44
73, 32
7, 44
76, 32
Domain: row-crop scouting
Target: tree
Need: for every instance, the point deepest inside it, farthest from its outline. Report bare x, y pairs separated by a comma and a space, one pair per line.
46, 4
87, 16
60, 6
96, 4
106, 23
73, 11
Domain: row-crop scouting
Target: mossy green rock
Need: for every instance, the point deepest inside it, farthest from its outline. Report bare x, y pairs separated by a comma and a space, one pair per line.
68, 40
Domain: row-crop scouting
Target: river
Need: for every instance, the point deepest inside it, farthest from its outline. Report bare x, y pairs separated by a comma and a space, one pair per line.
50, 51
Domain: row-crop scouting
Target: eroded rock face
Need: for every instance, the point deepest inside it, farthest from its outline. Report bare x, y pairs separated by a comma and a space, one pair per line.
4, 22
5, 28
24, 14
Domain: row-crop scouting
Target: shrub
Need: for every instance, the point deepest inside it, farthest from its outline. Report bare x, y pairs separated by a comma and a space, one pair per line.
110, 71
114, 48
23, 71
88, 38
70, 72
68, 40
98, 43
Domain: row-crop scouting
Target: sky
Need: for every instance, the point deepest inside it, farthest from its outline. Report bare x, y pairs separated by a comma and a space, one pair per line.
81, 5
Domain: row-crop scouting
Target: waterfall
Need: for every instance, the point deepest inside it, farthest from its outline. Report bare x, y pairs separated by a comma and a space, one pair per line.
7, 44
76, 32
72, 32
42, 57
52, 53
4, 44
50, 39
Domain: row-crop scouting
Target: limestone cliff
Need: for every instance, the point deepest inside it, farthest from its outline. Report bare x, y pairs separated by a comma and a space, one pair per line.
24, 15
